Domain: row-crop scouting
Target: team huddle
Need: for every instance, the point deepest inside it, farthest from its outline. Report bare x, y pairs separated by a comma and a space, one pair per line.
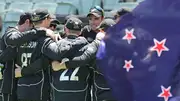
38, 65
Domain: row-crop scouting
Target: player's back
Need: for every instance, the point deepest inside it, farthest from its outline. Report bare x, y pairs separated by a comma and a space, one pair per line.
33, 84
25, 82
71, 84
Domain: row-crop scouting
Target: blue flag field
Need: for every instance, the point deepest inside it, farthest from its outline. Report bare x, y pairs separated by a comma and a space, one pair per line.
140, 55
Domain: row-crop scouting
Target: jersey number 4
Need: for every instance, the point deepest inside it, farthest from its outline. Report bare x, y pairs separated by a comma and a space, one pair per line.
72, 77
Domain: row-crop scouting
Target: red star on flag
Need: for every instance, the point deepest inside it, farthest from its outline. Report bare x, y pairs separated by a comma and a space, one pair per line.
128, 65
159, 46
165, 93
129, 35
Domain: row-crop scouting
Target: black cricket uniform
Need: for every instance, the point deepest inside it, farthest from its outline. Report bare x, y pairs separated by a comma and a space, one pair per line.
47, 48
37, 84
35, 80
88, 33
28, 85
5, 55
101, 91
70, 84
13, 38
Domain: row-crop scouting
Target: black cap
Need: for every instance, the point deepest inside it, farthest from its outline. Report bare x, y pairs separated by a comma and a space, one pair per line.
96, 11
40, 14
70, 16
106, 23
74, 24
23, 17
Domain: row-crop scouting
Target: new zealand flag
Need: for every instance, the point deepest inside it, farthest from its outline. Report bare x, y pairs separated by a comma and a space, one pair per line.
140, 55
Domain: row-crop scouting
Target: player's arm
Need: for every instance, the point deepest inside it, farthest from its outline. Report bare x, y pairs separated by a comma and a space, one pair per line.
81, 60
50, 49
16, 38
8, 54
31, 69
73, 47
55, 51
35, 67
88, 54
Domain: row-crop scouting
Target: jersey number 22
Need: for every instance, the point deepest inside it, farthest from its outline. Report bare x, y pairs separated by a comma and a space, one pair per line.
72, 77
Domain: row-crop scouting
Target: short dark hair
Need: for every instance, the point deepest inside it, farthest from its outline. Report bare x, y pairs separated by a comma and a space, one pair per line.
24, 17
54, 23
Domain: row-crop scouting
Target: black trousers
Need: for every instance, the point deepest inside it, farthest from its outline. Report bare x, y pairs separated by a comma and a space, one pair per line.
1, 97
29, 100
8, 97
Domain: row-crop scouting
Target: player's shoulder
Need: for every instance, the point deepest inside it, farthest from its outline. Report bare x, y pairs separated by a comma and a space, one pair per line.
83, 39
63, 42
11, 29
44, 41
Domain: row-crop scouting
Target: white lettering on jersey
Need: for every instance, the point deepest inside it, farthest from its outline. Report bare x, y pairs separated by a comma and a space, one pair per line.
72, 77
30, 45
25, 59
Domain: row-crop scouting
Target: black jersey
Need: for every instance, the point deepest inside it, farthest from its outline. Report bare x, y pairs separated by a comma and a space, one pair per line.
100, 91
35, 84
11, 40
72, 84
28, 85
88, 33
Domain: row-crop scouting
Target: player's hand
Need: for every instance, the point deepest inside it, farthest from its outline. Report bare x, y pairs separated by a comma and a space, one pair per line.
100, 35
18, 71
51, 34
1, 77
57, 37
56, 66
